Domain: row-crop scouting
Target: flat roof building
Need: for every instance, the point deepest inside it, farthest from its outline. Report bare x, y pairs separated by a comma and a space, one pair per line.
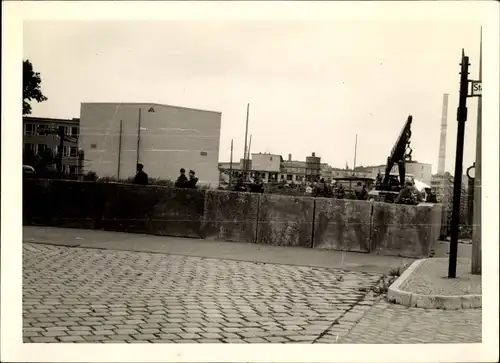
117, 136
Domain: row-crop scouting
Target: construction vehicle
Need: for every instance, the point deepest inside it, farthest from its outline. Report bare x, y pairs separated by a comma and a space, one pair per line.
388, 185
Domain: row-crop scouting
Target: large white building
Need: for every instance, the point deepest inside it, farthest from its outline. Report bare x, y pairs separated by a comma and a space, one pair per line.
420, 171
116, 136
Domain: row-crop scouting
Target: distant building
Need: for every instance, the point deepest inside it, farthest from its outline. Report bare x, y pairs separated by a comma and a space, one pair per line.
420, 171
115, 136
269, 165
326, 172
313, 168
293, 171
36, 141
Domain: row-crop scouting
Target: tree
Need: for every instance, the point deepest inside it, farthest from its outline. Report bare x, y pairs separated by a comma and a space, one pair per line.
31, 87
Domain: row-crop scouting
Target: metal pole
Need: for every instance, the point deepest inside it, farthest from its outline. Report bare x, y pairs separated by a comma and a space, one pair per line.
248, 157
60, 156
470, 197
231, 166
457, 185
138, 135
246, 136
355, 150
119, 149
476, 231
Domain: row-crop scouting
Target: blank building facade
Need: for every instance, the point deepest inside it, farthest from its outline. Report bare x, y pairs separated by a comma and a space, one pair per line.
117, 136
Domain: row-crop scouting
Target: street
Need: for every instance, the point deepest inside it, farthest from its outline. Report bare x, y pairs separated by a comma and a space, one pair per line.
90, 295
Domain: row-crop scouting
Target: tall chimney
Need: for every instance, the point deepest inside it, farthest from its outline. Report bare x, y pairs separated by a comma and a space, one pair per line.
442, 142
313, 154
289, 157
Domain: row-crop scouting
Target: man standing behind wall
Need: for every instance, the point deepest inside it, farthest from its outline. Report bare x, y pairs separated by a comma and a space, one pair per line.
141, 178
182, 179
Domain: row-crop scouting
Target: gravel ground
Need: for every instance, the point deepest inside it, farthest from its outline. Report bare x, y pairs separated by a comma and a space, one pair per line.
431, 278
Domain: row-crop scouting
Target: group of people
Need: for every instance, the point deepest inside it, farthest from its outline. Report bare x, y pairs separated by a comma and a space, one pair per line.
338, 191
141, 178
255, 186
185, 182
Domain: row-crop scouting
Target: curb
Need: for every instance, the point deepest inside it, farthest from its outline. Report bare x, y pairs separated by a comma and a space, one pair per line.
399, 296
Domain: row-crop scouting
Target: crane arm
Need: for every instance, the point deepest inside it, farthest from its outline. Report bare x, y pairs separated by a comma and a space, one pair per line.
400, 153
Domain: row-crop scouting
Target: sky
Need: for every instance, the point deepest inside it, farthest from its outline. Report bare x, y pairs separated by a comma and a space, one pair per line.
312, 85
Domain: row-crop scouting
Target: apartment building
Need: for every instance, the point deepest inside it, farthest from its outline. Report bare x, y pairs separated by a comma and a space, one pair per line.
293, 171
36, 140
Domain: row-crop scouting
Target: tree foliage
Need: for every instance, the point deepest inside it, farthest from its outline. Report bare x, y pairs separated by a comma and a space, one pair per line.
31, 87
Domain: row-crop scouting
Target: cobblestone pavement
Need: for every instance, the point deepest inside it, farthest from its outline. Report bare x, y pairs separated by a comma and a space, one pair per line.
386, 323
87, 295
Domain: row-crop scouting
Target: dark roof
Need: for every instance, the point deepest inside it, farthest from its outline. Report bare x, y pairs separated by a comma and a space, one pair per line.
50, 120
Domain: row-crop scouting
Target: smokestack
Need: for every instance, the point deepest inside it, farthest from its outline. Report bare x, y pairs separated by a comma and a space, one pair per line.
313, 154
289, 157
442, 142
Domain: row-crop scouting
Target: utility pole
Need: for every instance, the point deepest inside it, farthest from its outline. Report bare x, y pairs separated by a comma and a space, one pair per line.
246, 137
355, 150
119, 149
231, 166
61, 148
138, 135
457, 185
476, 231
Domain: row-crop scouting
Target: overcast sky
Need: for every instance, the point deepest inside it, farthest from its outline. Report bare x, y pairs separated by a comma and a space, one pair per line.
312, 86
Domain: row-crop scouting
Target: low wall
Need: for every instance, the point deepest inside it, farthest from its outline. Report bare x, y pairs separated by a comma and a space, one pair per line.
127, 208
231, 216
285, 221
403, 230
342, 225
59, 203
278, 220
178, 212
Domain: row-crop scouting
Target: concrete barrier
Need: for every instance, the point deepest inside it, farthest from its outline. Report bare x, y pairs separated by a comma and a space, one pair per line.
285, 221
37, 203
342, 225
402, 230
128, 207
178, 212
231, 216
72, 203
58, 203
279, 220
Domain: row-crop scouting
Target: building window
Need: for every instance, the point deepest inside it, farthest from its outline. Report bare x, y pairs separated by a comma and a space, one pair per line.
29, 147
203, 153
289, 177
29, 129
66, 151
282, 176
41, 148
41, 130
72, 169
73, 151
74, 131
271, 158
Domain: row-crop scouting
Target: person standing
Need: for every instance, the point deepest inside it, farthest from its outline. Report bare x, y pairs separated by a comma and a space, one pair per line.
182, 179
141, 178
191, 183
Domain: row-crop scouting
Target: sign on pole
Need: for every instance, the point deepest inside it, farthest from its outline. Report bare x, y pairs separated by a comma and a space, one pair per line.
476, 89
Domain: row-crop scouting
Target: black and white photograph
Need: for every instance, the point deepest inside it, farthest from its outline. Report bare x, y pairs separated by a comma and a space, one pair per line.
263, 173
